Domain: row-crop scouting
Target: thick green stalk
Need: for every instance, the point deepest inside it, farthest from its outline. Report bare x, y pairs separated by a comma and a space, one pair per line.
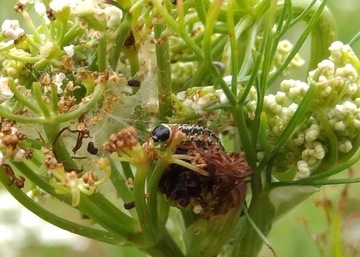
164, 72
248, 242
124, 30
101, 60
143, 212
165, 247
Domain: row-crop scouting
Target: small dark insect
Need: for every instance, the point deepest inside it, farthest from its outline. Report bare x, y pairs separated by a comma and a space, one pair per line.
17, 181
92, 149
133, 83
129, 205
50, 14
19, 39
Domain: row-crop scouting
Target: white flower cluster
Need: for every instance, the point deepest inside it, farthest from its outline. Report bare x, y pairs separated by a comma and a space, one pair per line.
94, 9
283, 49
197, 98
333, 113
11, 29
193, 102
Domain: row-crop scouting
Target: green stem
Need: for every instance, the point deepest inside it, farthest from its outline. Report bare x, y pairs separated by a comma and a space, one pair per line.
124, 30
165, 247
39, 99
233, 47
23, 99
101, 60
154, 180
182, 31
23, 58
119, 183
200, 10
31, 205
248, 241
54, 99
29, 22
142, 210
322, 182
164, 72
240, 119
19, 118
71, 34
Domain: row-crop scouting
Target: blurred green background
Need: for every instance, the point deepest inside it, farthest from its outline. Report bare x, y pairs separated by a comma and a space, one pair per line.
303, 232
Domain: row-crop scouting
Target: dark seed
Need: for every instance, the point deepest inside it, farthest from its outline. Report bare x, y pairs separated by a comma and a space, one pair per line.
129, 205
92, 149
133, 83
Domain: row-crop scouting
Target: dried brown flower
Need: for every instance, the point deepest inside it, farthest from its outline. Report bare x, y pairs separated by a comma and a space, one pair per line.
224, 186
126, 138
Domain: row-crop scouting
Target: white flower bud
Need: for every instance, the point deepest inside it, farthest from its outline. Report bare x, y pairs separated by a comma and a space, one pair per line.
19, 155
260, 156
47, 49
336, 51
40, 8
352, 88
69, 50
58, 81
5, 92
312, 160
340, 126
13, 130
181, 95
284, 47
326, 68
312, 133
348, 72
297, 61
299, 139
223, 98
188, 103
303, 169
114, 15
345, 145
271, 105
319, 151
11, 29
204, 100
280, 97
